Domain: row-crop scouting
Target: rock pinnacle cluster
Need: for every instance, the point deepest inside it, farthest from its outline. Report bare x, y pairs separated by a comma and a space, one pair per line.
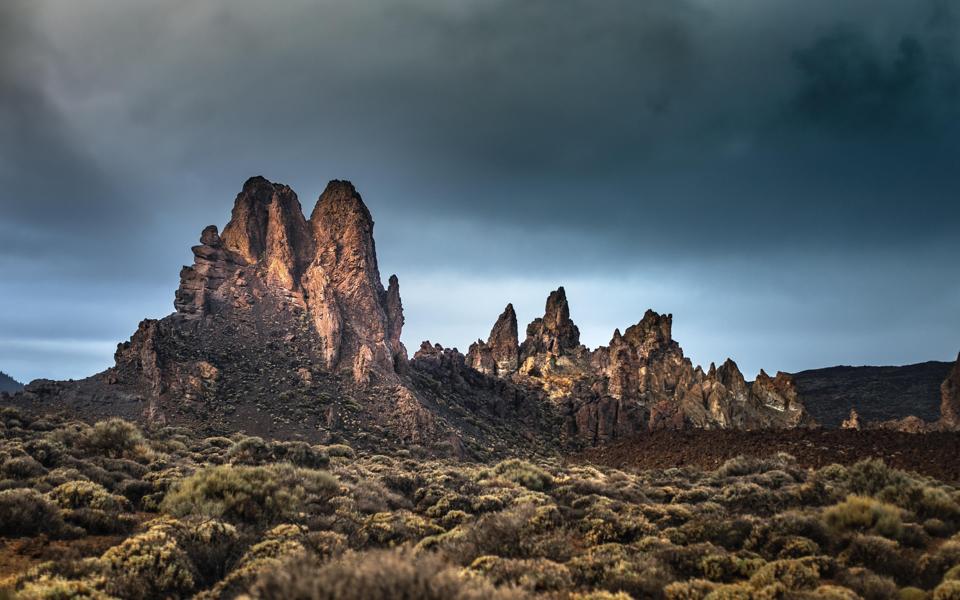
282, 326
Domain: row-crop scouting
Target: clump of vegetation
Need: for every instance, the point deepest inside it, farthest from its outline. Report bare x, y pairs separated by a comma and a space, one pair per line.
114, 437
28, 512
108, 511
261, 495
864, 514
375, 576
526, 474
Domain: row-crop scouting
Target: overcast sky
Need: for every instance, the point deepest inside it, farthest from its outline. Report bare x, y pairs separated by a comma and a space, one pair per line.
783, 177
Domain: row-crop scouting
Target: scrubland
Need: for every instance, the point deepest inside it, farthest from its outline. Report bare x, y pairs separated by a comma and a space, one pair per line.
109, 511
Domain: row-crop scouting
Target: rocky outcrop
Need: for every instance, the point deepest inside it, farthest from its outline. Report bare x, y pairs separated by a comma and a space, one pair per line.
640, 381
325, 268
500, 354
283, 327
359, 320
551, 336
950, 399
852, 422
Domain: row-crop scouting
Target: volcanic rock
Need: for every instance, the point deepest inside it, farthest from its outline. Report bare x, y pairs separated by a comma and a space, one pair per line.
500, 354
852, 422
552, 335
641, 381
950, 399
283, 328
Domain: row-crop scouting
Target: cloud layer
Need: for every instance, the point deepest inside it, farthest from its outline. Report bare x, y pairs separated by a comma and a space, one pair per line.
782, 176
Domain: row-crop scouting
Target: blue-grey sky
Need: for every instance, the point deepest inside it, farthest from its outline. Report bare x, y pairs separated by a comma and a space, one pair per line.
781, 176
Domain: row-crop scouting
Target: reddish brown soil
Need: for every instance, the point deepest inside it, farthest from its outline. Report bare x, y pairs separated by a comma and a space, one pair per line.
933, 454
17, 555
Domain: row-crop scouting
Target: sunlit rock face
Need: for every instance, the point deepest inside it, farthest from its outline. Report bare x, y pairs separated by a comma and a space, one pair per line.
324, 268
640, 381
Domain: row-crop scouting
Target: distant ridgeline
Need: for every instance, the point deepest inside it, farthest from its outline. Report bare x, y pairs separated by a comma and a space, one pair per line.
9, 384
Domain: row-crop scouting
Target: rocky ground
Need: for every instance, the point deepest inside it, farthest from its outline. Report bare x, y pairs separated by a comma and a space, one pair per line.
932, 454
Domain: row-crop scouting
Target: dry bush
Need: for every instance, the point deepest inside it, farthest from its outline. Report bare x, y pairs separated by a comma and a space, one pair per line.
862, 514
114, 437
867, 584
149, 565
880, 555
377, 575
257, 495
535, 575
28, 512
948, 590
792, 574
524, 473
87, 494
22, 468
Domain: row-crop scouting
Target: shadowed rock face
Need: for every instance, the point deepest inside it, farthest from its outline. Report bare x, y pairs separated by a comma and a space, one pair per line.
553, 334
500, 354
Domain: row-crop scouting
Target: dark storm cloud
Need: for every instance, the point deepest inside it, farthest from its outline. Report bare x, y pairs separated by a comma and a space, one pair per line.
739, 151
59, 204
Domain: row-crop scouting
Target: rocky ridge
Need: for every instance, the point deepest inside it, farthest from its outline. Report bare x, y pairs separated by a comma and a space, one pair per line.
282, 327
640, 381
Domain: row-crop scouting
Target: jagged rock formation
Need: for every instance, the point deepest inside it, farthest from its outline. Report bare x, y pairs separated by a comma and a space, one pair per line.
500, 354
950, 398
283, 328
326, 267
640, 381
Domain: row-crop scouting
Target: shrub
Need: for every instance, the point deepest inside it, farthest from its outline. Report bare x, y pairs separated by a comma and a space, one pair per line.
151, 564
249, 451
948, 590
86, 494
113, 437
535, 575
618, 568
912, 593
380, 575
340, 451
879, 555
99, 522
859, 513
58, 588
867, 584
393, 528
793, 574
22, 468
28, 512
301, 454
872, 476
249, 494
524, 473
213, 547
695, 589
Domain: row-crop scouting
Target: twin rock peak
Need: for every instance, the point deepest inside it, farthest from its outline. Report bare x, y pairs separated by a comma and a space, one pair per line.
276, 293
